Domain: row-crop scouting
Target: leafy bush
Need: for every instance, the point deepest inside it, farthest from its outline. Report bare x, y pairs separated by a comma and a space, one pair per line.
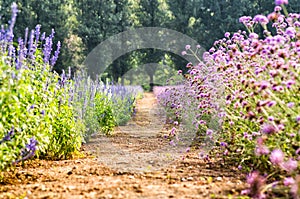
102, 106
36, 116
104, 112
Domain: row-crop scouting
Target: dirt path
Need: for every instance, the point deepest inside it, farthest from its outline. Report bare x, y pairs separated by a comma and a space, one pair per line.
137, 162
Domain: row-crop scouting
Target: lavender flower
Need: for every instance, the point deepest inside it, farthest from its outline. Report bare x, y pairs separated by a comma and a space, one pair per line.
8, 136
10, 34
28, 151
56, 53
37, 33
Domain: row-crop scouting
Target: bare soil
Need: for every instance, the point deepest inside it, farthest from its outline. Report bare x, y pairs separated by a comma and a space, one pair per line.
130, 164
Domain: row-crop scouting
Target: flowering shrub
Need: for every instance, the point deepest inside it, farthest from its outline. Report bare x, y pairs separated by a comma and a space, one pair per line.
36, 117
256, 79
45, 114
102, 106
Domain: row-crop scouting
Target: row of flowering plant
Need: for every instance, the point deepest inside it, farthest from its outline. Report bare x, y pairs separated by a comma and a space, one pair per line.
102, 106
255, 77
36, 117
46, 114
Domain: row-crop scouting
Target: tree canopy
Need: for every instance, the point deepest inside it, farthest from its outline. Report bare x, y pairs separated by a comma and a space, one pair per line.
83, 24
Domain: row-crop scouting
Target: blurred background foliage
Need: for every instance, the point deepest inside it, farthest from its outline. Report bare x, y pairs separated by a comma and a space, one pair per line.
83, 24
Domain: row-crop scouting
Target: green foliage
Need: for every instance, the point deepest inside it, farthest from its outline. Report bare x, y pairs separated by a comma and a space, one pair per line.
104, 112
102, 106
36, 107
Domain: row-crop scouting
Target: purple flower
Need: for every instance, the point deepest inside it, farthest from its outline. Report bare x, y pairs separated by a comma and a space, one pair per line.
28, 151
277, 156
290, 165
277, 8
261, 150
172, 143
245, 19
290, 104
280, 2
183, 53
56, 53
289, 83
298, 118
271, 118
253, 36
256, 182
223, 144
268, 129
14, 9
290, 31
288, 181
37, 33
240, 167
264, 85
173, 131
8, 136
187, 47
32, 144
209, 132
271, 103
227, 34
295, 187
261, 19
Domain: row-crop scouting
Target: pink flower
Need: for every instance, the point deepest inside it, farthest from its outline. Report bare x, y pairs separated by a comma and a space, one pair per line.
288, 181
280, 2
209, 132
268, 129
261, 150
245, 19
253, 36
290, 31
187, 47
290, 165
277, 8
261, 19
290, 104
277, 156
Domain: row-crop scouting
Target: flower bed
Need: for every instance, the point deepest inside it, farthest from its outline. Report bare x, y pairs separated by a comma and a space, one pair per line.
247, 100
